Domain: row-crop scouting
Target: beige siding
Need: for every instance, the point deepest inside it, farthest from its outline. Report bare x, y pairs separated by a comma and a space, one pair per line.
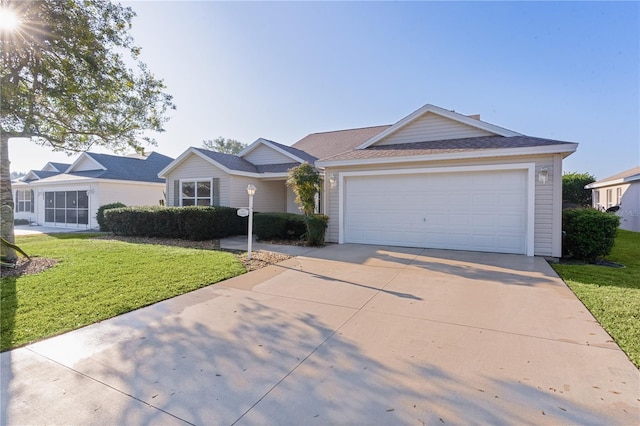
270, 195
265, 155
292, 207
432, 127
195, 167
547, 209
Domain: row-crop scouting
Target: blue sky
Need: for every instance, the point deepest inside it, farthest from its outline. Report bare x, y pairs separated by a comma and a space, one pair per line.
559, 70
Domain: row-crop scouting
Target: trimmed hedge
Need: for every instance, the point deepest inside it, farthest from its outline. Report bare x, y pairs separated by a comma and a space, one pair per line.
282, 226
316, 228
100, 214
589, 233
190, 223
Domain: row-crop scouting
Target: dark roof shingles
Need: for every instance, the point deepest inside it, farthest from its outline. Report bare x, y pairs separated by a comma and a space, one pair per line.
445, 146
128, 168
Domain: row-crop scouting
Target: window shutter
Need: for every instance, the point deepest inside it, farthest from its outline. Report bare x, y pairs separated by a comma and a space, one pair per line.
215, 187
33, 201
176, 193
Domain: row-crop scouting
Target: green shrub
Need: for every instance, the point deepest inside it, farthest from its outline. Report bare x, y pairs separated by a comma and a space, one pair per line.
589, 233
316, 228
21, 222
100, 215
191, 223
282, 226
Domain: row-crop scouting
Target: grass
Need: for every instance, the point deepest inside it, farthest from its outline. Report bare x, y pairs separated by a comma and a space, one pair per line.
612, 294
98, 279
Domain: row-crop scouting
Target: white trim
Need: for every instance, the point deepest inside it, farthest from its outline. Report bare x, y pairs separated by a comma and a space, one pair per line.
81, 180
556, 214
441, 112
531, 183
261, 141
613, 182
175, 163
488, 153
196, 180
79, 159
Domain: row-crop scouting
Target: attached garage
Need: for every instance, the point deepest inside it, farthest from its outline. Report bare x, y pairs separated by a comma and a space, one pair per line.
462, 210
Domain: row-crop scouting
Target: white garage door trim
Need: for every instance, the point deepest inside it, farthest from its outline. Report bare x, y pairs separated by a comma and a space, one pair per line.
530, 179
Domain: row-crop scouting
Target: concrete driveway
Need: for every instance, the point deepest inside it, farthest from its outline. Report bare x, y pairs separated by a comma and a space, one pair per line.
345, 334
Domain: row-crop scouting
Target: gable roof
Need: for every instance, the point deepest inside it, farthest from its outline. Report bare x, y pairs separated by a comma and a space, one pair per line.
630, 175
295, 154
327, 144
452, 115
112, 167
487, 146
53, 166
38, 174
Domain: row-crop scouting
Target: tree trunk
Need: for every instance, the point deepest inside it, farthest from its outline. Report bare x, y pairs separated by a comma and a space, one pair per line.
6, 200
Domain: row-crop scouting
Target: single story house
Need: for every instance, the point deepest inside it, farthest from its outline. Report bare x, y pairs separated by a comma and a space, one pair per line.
620, 193
69, 195
434, 179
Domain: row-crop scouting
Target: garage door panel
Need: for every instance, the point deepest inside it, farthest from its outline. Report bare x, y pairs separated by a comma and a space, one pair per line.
484, 211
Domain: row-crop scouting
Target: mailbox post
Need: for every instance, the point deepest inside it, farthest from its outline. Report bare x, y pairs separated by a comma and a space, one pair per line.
251, 190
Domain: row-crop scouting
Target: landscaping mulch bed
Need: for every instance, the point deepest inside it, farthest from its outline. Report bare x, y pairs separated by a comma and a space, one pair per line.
26, 266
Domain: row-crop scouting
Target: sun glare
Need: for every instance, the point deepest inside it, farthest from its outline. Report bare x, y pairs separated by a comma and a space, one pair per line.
8, 20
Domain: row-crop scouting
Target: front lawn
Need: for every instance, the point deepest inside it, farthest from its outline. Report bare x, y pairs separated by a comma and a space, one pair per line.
612, 294
97, 279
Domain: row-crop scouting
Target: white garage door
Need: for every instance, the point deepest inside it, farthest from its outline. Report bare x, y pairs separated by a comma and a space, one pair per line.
478, 211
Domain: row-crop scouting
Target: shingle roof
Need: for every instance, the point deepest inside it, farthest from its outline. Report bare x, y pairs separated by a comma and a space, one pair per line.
127, 168
622, 175
309, 158
41, 175
276, 168
60, 166
327, 144
229, 161
445, 146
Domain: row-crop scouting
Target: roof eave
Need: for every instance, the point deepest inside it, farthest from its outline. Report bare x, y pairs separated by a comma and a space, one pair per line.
602, 184
500, 131
566, 149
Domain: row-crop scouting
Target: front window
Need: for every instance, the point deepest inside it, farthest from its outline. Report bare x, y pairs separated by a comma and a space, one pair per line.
609, 198
24, 201
196, 193
618, 196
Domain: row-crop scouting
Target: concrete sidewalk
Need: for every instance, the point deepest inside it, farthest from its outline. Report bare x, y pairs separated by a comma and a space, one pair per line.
345, 334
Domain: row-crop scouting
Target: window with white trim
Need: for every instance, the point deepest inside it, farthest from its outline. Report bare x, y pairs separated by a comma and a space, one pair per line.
609, 197
596, 199
24, 201
196, 192
618, 196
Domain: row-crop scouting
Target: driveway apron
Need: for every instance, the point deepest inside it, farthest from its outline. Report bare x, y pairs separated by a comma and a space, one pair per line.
345, 334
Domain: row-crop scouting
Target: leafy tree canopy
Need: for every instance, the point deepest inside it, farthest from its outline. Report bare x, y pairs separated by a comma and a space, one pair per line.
226, 146
573, 191
71, 78
305, 183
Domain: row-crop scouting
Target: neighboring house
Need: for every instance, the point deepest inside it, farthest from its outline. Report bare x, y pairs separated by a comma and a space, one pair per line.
620, 193
434, 179
69, 195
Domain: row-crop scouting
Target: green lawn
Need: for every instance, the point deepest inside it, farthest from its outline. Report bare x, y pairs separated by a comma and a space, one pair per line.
98, 279
612, 294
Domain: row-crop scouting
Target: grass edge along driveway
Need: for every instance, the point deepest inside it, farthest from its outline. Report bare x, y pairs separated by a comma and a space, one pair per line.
97, 279
612, 295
